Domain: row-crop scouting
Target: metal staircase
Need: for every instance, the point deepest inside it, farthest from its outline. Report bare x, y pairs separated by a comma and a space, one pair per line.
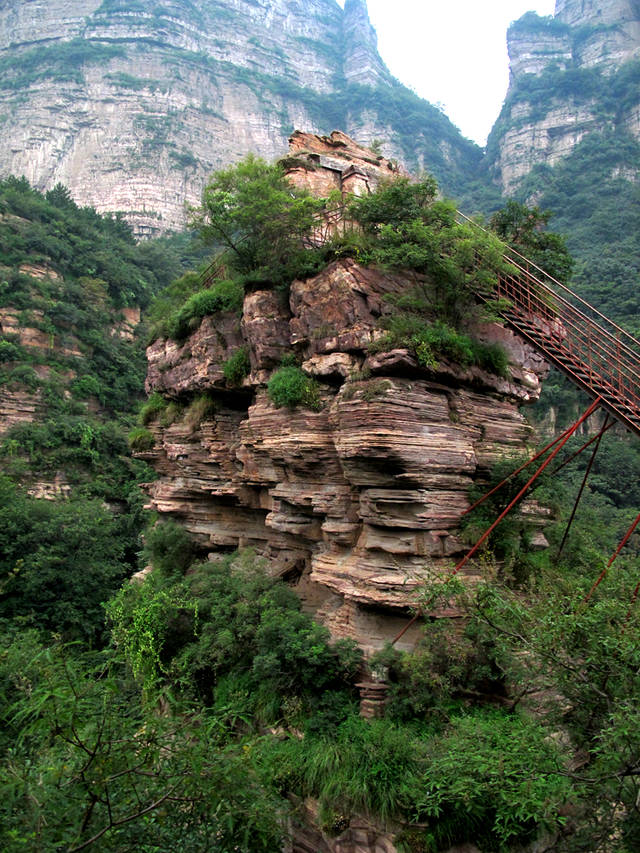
595, 353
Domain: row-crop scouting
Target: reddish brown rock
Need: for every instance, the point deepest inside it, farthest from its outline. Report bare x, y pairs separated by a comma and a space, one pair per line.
265, 325
339, 310
33, 338
195, 366
18, 407
361, 501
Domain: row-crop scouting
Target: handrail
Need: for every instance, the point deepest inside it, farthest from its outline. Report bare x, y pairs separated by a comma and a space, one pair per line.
600, 357
555, 281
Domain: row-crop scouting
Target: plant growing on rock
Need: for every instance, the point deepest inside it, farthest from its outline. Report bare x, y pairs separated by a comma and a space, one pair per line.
141, 439
291, 387
258, 218
226, 295
405, 226
237, 367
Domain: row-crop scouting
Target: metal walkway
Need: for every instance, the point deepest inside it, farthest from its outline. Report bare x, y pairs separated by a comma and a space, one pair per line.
595, 353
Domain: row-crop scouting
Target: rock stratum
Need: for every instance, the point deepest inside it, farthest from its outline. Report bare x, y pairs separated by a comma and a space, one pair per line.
132, 104
571, 74
361, 500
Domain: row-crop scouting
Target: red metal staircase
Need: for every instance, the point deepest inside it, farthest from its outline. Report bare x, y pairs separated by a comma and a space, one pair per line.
595, 353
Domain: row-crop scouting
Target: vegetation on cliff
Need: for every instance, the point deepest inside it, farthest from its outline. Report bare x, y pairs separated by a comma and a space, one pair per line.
214, 703
264, 230
73, 367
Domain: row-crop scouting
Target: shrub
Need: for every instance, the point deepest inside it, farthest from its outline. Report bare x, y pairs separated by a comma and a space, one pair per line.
10, 351
141, 439
169, 548
200, 409
25, 376
237, 367
246, 633
85, 386
291, 387
152, 409
225, 295
491, 357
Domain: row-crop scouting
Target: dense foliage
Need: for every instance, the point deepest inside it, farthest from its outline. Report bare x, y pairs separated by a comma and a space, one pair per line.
259, 219
69, 356
525, 230
598, 208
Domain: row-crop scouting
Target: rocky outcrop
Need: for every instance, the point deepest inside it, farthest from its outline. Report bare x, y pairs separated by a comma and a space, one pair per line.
576, 54
359, 499
18, 407
133, 105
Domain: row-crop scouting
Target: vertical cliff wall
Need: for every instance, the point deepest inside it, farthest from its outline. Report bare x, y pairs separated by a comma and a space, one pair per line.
132, 104
571, 74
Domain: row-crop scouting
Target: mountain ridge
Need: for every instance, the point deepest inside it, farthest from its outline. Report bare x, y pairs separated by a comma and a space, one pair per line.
132, 105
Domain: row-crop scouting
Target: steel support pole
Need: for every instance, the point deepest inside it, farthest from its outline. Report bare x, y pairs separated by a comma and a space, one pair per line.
582, 487
565, 437
625, 539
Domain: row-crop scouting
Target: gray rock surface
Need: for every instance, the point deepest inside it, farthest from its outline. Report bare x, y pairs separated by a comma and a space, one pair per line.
132, 104
584, 35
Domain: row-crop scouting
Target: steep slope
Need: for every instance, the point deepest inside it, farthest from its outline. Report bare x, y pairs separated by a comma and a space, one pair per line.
132, 104
71, 374
568, 139
571, 74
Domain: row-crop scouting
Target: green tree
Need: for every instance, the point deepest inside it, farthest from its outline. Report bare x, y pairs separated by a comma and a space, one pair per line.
524, 229
58, 563
259, 219
85, 764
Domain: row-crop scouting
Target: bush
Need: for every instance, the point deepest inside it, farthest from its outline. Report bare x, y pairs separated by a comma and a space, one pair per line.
199, 409
10, 351
227, 295
85, 386
491, 357
232, 628
491, 778
141, 439
169, 548
290, 387
59, 561
431, 340
152, 409
237, 367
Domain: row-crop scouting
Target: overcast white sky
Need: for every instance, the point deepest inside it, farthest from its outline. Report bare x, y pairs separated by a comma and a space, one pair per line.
452, 52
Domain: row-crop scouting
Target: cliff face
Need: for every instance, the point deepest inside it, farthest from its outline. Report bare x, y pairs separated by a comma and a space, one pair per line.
357, 501
132, 105
360, 500
571, 75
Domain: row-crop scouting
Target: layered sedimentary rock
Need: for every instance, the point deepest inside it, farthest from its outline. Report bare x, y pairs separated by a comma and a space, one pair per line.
576, 55
133, 104
359, 500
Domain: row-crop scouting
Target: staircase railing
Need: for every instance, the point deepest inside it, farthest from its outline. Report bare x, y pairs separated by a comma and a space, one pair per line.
593, 351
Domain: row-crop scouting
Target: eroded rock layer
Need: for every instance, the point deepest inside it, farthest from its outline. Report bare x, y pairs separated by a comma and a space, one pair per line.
133, 104
361, 499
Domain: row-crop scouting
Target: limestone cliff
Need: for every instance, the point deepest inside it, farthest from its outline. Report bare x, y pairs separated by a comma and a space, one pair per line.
132, 104
357, 501
571, 74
